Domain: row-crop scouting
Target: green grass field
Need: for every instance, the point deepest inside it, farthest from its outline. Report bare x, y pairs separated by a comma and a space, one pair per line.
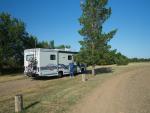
53, 95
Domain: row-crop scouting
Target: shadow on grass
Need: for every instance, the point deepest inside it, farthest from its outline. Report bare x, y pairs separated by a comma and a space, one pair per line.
11, 71
31, 105
97, 71
45, 78
101, 70
51, 77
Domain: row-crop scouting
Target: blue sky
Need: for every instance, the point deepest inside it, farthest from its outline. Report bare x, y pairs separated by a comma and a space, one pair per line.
58, 20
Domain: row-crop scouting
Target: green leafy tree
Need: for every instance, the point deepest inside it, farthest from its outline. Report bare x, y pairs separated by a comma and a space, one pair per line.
13, 40
43, 44
121, 59
95, 41
12, 34
30, 42
63, 46
51, 44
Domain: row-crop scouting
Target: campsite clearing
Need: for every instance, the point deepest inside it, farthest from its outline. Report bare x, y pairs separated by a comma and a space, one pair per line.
124, 90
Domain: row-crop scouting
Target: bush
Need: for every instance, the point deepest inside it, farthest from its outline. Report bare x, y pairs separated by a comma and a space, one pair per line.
122, 61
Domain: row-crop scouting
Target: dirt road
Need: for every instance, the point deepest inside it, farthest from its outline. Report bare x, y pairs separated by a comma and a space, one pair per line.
125, 93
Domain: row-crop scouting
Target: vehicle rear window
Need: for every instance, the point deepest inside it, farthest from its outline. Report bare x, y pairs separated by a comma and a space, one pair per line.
52, 57
69, 57
29, 57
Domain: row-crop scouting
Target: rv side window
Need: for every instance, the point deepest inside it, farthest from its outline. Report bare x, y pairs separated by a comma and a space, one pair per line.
69, 57
29, 57
52, 57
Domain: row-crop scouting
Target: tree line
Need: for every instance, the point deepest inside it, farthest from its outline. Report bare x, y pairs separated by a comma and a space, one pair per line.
139, 59
14, 39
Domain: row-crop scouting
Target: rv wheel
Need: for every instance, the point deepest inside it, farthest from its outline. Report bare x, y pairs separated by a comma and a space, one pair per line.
82, 70
60, 74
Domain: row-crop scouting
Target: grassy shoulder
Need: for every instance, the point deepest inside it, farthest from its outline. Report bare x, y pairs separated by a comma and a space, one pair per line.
11, 77
59, 95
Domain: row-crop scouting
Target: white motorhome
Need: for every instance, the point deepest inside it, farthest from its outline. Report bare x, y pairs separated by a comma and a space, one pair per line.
49, 62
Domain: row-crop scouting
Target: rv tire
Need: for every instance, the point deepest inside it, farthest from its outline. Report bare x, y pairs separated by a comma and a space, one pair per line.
82, 70
60, 74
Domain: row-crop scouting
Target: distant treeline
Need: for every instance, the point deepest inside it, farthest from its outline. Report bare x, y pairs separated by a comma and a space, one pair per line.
139, 59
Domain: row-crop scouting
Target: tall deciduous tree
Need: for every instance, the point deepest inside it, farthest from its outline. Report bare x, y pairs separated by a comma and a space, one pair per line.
12, 34
13, 40
95, 41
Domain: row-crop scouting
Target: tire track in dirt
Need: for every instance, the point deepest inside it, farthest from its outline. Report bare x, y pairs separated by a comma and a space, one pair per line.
125, 93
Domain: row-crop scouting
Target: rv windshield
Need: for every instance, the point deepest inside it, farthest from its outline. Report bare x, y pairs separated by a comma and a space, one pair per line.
29, 57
